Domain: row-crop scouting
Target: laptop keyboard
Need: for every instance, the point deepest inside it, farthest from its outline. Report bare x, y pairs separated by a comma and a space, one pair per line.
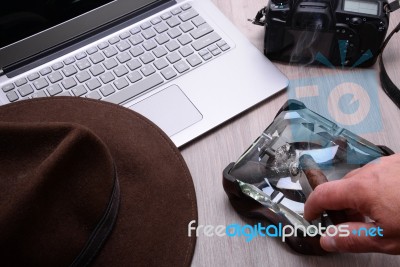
128, 63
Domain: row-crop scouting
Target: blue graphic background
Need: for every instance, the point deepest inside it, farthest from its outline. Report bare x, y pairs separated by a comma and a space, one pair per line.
365, 79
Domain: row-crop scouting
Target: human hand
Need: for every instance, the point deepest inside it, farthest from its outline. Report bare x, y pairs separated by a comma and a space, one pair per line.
373, 191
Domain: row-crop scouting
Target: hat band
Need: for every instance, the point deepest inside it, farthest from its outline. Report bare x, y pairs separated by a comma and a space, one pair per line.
102, 230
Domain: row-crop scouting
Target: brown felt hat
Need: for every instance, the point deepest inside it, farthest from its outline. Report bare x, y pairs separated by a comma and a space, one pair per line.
87, 182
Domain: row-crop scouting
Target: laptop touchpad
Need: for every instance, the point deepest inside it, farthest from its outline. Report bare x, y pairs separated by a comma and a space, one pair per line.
170, 109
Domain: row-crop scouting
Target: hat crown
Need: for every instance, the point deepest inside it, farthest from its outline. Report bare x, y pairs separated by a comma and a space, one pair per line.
56, 180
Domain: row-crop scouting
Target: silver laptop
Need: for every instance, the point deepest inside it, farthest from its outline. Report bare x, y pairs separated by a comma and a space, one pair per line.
182, 64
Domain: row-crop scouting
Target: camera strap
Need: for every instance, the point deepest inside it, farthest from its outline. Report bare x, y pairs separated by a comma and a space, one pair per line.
387, 84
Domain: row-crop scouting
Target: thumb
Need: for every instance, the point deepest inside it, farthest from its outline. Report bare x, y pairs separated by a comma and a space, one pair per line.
353, 237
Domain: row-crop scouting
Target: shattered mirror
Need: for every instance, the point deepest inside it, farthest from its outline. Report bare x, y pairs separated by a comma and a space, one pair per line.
299, 150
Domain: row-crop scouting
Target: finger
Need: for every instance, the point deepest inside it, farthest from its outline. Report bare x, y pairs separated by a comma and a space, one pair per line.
355, 237
352, 173
354, 216
336, 195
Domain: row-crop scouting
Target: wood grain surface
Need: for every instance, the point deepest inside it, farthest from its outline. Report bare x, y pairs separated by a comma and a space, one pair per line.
208, 155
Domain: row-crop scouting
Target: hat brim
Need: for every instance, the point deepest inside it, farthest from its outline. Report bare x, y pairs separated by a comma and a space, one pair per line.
157, 193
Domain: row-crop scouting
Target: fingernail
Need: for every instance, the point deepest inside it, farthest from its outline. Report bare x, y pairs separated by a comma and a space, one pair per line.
328, 243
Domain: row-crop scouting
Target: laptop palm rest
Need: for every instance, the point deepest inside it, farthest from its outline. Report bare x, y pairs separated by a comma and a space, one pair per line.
170, 109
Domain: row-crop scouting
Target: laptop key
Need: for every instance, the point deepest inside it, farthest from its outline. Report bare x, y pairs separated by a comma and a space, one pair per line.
80, 55
38, 94
93, 84
55, 77
174, 32
120, 71
176, 11
79, 90
206, 55
173, 57
225, 47
121, 83
69, 83
12, 96
65, 93
20, 82
136, 39
57, 66
149, 33
69, 60
166, 16
25, 90
201, 31
186, 6
145, 25
96, 70
160, 51
147, 70
149, 45
33, 76
173, 22
187, 26
184, 39
168, 73
161, 27
160, 63
172, 45
134, 30
8, 87
194, 60
124, 57
135, 89
107, 77
198, 21
134, 76
186, 51
83, 76
124, 35
181, 66
83, 64
69, 71
147, 58
216, 52
206, 41
110, 51
102, 45
96, 58
123, 45
110, 63
91, 50
212, 47
187, 15
45, 71
136, 51
162, 38
40, 83
134, 64
54, 89
107, 90
94, 95
155, 21
113, 40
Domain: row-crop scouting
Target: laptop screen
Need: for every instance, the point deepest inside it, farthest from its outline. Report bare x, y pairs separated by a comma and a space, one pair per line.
23, 18
30, 27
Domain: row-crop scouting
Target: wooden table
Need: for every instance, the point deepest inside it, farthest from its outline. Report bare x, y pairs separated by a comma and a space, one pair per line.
207, 156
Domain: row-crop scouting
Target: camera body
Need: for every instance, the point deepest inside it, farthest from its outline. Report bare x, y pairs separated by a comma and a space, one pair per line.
330, 32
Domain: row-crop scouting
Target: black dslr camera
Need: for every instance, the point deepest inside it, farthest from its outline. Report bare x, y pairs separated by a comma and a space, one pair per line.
330, 32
